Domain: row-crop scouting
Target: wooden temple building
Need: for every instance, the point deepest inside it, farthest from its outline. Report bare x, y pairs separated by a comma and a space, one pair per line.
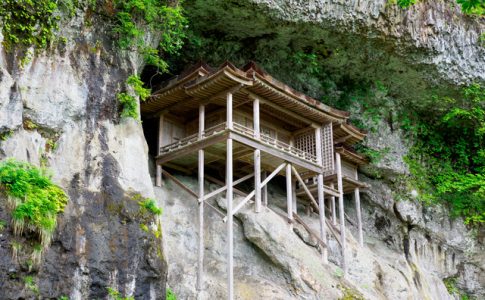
255, 127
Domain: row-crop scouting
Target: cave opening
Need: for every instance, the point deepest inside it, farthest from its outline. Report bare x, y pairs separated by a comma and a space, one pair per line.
153, 79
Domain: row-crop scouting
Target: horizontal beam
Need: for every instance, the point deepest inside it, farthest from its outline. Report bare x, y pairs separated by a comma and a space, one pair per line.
201, 144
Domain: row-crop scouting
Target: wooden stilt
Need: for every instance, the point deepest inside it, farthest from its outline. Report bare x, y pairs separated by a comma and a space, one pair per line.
359, 216
333, 207
158, 175
229, 196
257, 157
293, 197
289, 193
320, 192
321, 212
256, 119
265, 189
341, 210
257, 180
200, 261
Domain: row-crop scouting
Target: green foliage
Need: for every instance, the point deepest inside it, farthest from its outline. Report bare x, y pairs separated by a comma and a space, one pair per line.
170, 295
406, 3
29, 125
51, 145
471, 7
34, 200
373, 155
350, 294
6, 135
448, 159
151, 206
30, 283
63, 298
116, 295
135, 82
27, 23
474, 7
2, 225
134, 17
128, 101
481, 40
450, 284
129, 106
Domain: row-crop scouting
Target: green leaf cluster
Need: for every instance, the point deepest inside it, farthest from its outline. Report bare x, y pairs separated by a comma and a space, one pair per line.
128, 101
151, 206
27, 23
30, 283
471, 7
116, 295
135, 17
170, 295
34, 200
451, 286
448, 159
406, 3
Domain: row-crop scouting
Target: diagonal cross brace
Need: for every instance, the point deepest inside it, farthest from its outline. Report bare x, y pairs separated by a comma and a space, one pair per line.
248, 197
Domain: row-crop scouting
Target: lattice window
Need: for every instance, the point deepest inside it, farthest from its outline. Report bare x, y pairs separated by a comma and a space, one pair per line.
306, 141
327, 148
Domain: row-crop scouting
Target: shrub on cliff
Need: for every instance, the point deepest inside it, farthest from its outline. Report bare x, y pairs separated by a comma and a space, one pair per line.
33, 199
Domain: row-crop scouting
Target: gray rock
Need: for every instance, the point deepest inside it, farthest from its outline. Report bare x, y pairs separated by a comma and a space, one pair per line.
100, 161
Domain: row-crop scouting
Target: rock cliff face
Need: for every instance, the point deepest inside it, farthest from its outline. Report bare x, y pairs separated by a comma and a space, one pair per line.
67, 97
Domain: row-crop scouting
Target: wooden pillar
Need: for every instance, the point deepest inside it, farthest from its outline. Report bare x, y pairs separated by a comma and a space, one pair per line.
257, 180
200, 261
333, 207
265, 189
289, 193
320, 191
341, 210
158, 175
256, 118
359, 216
359, 211
229, 196
229, 111
257, 158
293, 197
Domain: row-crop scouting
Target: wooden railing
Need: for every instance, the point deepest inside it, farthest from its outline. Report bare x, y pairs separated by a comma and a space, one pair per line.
249, 132
265, 139
193, 138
